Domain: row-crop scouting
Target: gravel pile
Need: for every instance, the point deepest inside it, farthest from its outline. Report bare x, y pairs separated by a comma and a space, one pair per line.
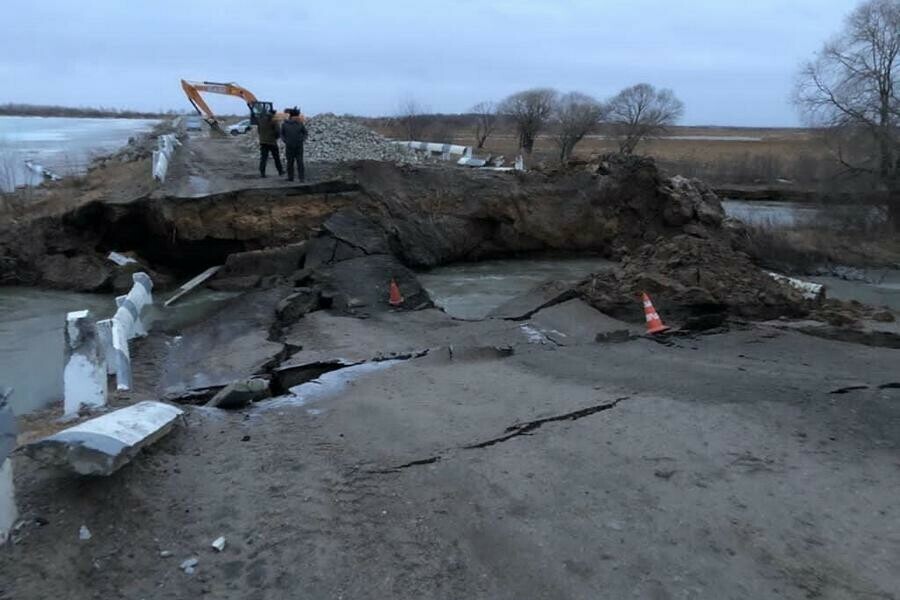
332, 139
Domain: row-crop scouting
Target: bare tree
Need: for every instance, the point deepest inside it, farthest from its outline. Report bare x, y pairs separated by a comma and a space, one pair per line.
642, 111
529, 110
575, 114
485, 121
851, 87
411, 118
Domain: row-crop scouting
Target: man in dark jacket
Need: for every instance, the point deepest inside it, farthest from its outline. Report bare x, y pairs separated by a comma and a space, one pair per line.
293, 132
268, 142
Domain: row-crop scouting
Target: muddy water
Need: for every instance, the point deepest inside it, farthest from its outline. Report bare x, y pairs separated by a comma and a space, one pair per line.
31, 335
883, 289
472, 290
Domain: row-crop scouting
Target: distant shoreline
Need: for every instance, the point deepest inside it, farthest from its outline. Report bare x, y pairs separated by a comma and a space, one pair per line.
33, 110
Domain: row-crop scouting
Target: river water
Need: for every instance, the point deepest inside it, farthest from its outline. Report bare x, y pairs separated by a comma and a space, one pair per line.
32, 326
64, 145
472, 290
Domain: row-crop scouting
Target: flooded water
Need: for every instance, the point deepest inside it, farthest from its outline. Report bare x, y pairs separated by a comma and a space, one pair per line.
882, 290
63, 145
32, 322
771, 213
472, 290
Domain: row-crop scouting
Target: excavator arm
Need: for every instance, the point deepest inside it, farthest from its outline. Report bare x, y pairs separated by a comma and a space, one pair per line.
193, 89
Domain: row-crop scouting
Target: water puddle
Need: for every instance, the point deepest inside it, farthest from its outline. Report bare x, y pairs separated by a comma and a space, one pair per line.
473, 290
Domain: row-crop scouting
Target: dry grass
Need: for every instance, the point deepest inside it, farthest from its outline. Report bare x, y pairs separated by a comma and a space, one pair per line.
752, 156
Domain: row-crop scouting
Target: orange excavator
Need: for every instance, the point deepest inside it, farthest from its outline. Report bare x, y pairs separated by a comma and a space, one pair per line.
193, 89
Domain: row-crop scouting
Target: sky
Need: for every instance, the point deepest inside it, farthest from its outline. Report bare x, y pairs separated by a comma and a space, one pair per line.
732, 62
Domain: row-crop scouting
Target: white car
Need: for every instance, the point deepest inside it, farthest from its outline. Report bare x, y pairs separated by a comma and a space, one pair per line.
239, 127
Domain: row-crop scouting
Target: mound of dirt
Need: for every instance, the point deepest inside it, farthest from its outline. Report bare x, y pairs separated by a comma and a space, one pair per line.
333, 139
690, 278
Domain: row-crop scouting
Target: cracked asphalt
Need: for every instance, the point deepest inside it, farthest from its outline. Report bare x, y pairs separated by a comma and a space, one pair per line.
716, 466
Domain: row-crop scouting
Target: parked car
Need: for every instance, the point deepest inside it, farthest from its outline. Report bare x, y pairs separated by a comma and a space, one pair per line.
193, 123
239, 127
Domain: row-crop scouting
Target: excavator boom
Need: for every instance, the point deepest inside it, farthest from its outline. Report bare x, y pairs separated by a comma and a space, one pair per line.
193, 88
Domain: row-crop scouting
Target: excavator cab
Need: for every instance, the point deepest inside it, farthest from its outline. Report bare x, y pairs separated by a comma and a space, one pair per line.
257, 109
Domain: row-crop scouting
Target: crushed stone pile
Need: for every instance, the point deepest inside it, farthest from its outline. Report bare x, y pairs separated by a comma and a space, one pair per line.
333, 139
698, 281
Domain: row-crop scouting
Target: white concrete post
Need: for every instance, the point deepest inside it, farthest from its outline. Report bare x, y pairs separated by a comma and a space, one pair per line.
84, 376
8, 512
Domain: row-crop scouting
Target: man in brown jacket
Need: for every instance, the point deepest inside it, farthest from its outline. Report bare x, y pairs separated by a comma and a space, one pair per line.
268, 142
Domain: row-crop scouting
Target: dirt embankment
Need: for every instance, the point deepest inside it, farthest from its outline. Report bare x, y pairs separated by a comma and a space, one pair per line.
426, 215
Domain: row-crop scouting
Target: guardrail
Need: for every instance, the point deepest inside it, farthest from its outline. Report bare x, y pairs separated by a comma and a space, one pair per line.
8, 512
95, 350
443, 150
167, 144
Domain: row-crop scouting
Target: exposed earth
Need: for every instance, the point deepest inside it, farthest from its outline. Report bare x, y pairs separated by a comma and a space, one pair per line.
550, 450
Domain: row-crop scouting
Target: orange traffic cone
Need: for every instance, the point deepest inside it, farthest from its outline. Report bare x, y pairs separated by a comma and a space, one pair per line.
654, 323
396, 299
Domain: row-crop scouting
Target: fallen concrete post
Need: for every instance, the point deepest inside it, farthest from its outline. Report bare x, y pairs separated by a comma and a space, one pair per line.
103, 445
84, 374
442, 150
810, 290
8, 511
192, 284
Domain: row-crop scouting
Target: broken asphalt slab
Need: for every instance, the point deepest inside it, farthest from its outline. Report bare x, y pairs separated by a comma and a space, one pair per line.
576, 322
230, 344
104, 444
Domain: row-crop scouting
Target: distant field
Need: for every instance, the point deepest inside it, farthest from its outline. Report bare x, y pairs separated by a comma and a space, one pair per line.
719, 155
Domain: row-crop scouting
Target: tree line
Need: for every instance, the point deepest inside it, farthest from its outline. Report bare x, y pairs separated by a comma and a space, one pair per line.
635, 113
13, 109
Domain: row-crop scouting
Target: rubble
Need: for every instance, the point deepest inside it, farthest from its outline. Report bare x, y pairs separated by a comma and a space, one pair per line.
239, 394
333, 139
101, 446
690, 278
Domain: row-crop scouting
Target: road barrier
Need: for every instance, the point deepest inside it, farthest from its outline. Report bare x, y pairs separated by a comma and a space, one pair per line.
8, 512
443, 150
161, 157
95, 350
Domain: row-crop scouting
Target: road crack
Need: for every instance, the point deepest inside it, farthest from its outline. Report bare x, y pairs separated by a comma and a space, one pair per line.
529, 426
509, 433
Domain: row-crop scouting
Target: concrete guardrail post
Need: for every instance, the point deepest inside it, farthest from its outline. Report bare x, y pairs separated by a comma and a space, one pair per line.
8, 511
84, 375
125, 325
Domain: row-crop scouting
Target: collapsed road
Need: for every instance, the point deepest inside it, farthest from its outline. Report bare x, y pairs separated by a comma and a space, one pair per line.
549, 450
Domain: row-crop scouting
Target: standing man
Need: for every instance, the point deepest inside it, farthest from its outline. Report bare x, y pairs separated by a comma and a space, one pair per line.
268, 142
293, 132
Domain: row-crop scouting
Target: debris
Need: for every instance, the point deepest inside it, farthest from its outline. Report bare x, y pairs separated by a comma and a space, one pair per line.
120, 259
165, 554
664, 473
333, 139
191, 284
102, 445
239, 394
219, 543
189, 565
302, 301
810, 291
84, 534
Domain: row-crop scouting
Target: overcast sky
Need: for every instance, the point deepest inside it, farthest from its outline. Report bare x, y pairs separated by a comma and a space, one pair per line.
731, 61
